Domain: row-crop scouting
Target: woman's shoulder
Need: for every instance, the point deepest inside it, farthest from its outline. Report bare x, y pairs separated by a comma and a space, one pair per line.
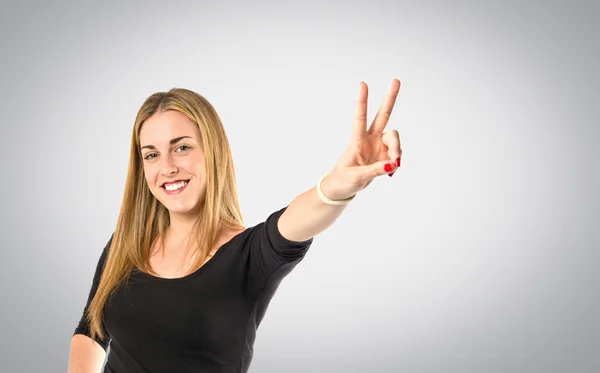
107, 246
227, 236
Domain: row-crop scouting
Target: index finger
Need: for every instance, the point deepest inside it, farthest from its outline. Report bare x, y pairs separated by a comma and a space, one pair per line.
385, 111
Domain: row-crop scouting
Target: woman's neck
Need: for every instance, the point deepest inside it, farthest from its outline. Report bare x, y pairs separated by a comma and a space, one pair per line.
180, 229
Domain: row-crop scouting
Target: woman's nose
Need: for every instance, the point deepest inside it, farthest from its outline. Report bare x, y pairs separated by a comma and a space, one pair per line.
168, 166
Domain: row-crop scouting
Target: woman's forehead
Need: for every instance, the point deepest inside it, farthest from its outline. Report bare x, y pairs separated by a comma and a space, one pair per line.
165, 126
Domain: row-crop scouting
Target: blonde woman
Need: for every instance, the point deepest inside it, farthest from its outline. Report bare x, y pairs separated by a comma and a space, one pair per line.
182, 285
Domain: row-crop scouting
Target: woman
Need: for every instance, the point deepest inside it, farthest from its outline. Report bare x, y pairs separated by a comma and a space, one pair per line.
182, 285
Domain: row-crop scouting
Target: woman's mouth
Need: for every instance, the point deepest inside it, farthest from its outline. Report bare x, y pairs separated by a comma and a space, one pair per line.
176, 187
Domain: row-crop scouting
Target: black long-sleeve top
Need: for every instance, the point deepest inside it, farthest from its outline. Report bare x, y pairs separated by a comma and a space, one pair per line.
204, 322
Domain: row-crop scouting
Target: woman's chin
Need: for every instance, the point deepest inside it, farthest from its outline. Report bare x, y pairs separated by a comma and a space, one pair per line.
182, 209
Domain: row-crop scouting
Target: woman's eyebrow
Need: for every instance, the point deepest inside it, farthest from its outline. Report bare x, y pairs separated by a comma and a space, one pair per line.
173, 141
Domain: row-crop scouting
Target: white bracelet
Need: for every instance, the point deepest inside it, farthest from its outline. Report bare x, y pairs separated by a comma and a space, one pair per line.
329, 201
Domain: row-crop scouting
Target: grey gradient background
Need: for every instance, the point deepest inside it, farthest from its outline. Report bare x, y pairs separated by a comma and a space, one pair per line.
480, 255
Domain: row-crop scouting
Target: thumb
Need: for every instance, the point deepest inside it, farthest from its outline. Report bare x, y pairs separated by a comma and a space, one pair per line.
376, 169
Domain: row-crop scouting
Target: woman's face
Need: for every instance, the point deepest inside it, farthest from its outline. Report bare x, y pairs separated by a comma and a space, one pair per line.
173, 161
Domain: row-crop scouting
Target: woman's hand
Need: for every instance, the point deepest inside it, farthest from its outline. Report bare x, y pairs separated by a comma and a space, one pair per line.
371, 152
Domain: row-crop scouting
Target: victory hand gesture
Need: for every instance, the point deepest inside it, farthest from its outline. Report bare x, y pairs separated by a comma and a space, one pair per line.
371, 152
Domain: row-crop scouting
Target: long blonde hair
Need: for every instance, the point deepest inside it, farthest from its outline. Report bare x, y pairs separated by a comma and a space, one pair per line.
143, 219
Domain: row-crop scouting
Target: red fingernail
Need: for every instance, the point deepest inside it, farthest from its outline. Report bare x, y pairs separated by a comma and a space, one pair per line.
388, 167
392, 174
398, 162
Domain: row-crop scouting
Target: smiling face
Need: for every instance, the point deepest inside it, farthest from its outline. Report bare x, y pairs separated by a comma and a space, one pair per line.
173, 159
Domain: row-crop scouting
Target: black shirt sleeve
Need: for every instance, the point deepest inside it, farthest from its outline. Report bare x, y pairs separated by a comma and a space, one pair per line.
272, 256
84, 327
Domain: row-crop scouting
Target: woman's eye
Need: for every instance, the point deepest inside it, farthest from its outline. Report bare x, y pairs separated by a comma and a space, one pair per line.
149, 156
183, 147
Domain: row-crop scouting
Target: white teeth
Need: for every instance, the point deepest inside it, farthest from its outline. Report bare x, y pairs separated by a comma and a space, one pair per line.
173, 187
